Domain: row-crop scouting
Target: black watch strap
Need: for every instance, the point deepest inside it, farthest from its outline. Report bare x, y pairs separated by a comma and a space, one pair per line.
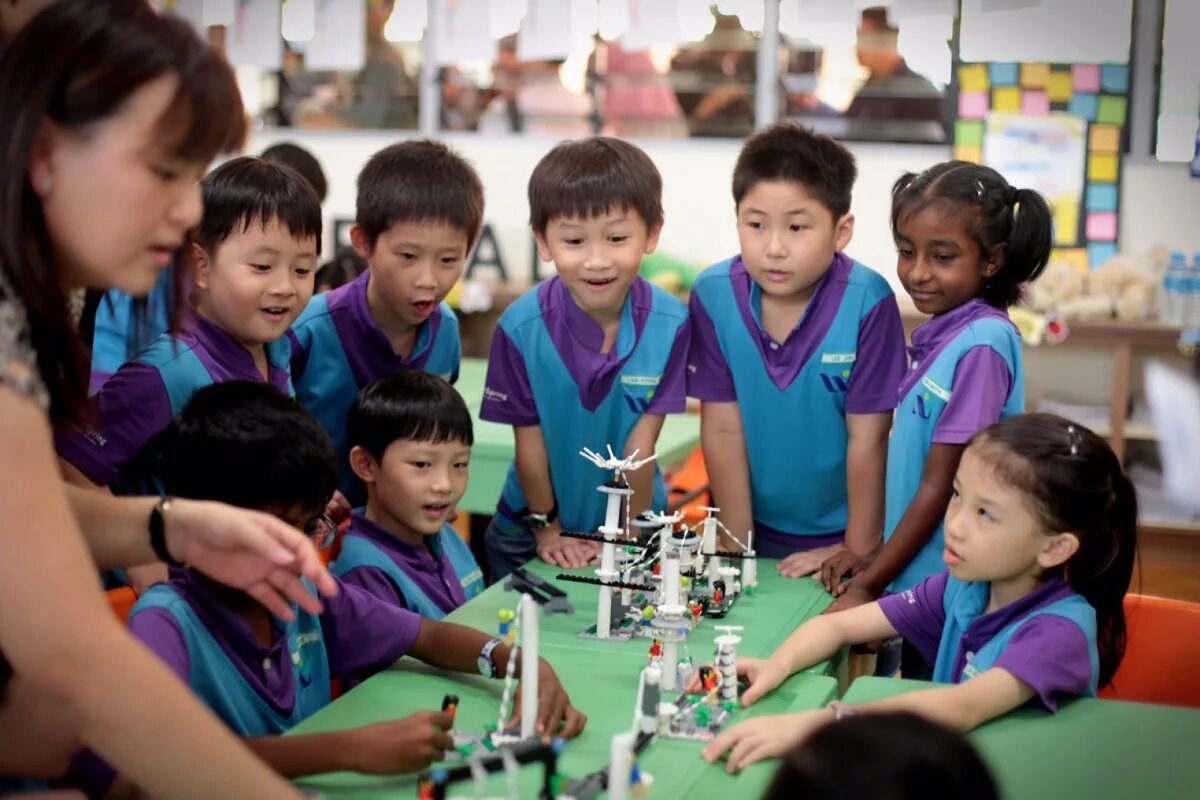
158, 532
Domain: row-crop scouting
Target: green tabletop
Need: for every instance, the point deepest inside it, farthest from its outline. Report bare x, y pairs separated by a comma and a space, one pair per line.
493, 450
1090, 749
602, 680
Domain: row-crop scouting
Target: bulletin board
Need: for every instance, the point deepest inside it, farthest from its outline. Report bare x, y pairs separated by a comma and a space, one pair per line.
1051, 101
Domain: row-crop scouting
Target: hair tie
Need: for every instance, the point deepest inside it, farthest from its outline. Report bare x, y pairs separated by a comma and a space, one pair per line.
1073, 440
1010, 195
979, 191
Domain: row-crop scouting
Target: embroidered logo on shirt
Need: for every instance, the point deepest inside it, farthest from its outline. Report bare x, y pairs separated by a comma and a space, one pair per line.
836, 383
640, 380
94, 436
909, 597
491, 394
970, 670
838, 358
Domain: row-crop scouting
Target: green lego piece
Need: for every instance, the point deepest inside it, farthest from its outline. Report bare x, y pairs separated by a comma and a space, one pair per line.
703, 716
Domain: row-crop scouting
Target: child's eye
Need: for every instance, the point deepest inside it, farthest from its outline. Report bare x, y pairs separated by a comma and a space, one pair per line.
421, 464
944, 258
461, 464
409, 256
165, 174
573, 242
953, 495
303, 272
756, 226
904, 252
983, 514
261, 267
450, 261
798, 228
617, 239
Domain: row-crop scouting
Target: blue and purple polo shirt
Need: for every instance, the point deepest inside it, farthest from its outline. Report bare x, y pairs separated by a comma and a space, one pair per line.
546, 368
845, 356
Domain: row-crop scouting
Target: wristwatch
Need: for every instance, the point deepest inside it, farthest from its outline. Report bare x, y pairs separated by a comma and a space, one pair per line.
538, 521
487, 667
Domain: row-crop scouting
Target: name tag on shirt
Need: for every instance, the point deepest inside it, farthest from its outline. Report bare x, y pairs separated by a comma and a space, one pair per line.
640, 380
838, 358
935, 390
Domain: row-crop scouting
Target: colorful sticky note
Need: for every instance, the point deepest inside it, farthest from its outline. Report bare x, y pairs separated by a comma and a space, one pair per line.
1114, 78
1006, 99
1076, 257
1035, 76
1066, 220
1035, 104
968, 133
1084, 106
1102, 168
973, 78
1101, 253
1112, 110
972, 154
1102, 226
1104, 138
1086, 77
1004, 74
1060, 87
973, 105
1102, 197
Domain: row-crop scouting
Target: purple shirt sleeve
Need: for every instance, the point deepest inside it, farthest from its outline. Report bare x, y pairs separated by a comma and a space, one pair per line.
709, 378
881, 362
981, 385
131, 409
364, 634
376, 583
507, 396
919, 614
1050, 654
159, 631
671, 395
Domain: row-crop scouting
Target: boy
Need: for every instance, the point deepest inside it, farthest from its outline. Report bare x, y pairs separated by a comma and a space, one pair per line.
254, 256
590, 358
243, 444
410, 442
419, 212
797, 352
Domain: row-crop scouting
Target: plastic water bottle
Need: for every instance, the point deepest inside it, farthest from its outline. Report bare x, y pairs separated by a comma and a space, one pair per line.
1192, 318
1175, 286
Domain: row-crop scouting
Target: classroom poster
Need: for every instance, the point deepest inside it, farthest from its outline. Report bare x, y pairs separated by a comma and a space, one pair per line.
1045, 153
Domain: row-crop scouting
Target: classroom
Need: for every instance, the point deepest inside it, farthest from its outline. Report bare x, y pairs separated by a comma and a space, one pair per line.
573, 399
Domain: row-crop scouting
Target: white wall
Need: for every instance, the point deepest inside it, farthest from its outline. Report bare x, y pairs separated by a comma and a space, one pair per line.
1158, 202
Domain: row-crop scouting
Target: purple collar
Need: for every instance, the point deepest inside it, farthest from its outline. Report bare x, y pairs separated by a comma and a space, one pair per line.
979, 628
368, 348
426, 565
931, 338
784, 360
232, 633
227, 359
578, 338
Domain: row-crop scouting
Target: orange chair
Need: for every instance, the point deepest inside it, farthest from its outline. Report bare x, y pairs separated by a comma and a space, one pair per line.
1162, 653
688, 488
121, 601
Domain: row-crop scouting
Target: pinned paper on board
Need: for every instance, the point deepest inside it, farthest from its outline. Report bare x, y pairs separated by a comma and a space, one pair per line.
1104, 138
1046, 154
973, 78
973, 105
255, 38
339, 39
464, 34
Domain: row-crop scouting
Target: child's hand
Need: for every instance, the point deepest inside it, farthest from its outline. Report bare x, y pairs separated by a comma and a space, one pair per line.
556, 716
797, 565
402, 745
763, 675
763, 737
854, 595
839, 568
562, 551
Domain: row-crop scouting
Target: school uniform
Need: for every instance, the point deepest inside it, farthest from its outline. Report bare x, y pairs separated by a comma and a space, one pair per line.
431, 580
337, 349
965, 375
119, 331
546, 369
1047, 639
144, 396
845, 356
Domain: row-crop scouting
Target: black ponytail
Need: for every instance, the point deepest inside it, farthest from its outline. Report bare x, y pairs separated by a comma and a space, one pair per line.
1010, 224
1077, 486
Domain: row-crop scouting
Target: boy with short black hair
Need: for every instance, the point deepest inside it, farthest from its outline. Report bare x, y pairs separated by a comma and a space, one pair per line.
410, 438
419, 213
592, 357
797, 352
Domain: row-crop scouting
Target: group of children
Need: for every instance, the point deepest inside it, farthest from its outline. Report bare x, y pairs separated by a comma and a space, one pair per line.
841, 450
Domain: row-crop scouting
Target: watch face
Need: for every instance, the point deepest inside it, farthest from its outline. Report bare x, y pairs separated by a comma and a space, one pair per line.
485, 666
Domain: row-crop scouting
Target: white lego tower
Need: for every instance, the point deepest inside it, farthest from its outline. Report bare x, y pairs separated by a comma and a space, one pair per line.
527, 616
618, 493
725, 656
670, 621
749, 564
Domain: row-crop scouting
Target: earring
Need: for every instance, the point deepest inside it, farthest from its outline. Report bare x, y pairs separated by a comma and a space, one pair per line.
46, 184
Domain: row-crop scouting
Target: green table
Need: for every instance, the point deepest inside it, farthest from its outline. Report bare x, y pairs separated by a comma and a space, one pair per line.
493, 450
602, 680
1090, 749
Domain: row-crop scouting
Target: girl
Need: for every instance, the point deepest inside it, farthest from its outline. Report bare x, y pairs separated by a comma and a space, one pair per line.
967, 242
1040, 541
109, 113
